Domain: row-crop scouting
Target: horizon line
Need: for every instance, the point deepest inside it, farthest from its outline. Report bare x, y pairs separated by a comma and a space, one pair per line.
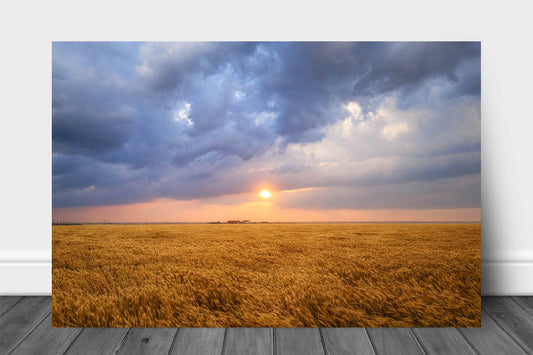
261, 222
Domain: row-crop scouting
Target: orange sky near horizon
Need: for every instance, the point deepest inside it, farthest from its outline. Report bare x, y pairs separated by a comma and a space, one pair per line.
255, 209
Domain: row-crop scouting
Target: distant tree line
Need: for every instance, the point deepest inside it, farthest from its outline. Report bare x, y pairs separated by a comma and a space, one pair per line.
59, 222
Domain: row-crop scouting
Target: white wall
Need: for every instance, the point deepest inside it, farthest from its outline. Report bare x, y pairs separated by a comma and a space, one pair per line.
26, 32
507, 174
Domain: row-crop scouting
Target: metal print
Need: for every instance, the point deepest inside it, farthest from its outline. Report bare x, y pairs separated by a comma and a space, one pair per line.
266, 184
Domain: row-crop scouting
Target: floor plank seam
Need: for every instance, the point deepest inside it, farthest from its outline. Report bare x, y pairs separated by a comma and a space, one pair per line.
123, 341
172, 345
468, 341
10, 307
322, 341
73, 340
517, 341
371, 341
224, 340
27, 334
419, 342
274, 348
526, 309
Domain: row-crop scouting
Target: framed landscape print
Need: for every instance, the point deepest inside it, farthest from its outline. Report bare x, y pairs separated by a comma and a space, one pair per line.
266, 184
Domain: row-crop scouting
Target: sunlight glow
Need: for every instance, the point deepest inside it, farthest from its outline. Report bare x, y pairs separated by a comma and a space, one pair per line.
265, 194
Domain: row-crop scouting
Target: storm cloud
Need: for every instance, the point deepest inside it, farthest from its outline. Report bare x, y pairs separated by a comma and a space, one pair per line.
355, 121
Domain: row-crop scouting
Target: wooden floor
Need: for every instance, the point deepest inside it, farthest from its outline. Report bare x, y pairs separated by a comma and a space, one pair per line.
507, 328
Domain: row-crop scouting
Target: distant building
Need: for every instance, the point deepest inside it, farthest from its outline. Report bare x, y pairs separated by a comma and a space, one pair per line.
245, 221
233, 222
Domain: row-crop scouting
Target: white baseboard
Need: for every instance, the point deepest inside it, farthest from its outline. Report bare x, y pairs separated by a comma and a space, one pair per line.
26, 278
510, 278
34, 278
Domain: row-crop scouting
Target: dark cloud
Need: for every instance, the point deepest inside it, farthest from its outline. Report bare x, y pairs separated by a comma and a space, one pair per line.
167, 65
136, 121
91, 132
406, 65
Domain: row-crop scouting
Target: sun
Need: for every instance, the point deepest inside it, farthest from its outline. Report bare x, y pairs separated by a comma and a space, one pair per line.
265, 194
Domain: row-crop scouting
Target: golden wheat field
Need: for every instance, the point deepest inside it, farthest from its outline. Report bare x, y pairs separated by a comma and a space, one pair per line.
267, 275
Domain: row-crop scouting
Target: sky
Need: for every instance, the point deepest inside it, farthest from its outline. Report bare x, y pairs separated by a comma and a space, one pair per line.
336, 131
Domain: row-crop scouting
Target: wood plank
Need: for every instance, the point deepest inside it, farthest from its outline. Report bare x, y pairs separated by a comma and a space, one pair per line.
443, 341
512, 318
242, 341
298, 341
526, 302
20, 319
507, 325
6, 302
490, 339
199, 341
46, 340
148, 341
347, 341
399, 341
98, 341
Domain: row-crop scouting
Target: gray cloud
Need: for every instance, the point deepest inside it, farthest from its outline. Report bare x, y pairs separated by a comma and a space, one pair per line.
137, 121
91, 132
462, 192
406, 65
